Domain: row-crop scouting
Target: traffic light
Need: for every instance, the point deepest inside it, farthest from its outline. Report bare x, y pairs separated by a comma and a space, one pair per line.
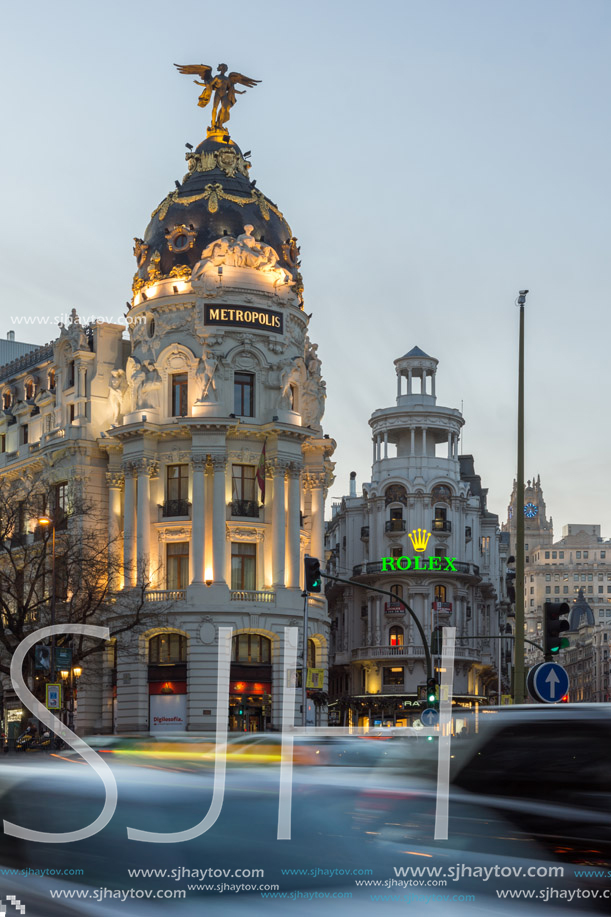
553, 626
432, 695
312, 576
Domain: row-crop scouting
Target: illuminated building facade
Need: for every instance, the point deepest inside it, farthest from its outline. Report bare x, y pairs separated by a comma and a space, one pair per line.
201, 439
424, 504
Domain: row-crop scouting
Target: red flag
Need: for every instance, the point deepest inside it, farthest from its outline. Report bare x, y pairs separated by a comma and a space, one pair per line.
261, 473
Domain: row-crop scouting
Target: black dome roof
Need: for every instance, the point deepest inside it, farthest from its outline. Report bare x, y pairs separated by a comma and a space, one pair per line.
216, 198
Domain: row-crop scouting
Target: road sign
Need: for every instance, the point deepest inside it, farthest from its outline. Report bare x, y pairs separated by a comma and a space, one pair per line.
429, 717
548, 682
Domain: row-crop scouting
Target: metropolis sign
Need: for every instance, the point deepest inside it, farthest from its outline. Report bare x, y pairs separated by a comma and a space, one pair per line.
234, 317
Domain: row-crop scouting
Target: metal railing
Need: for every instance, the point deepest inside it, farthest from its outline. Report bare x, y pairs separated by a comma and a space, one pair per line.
441, 525
395, 525
248, 508
460, 569
176, 508
404, 652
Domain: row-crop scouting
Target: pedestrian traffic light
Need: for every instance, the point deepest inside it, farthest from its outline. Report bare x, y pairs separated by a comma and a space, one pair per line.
312, 576
432, 695
553, 626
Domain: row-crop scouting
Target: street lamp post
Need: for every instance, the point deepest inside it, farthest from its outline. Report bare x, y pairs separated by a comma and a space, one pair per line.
47, 520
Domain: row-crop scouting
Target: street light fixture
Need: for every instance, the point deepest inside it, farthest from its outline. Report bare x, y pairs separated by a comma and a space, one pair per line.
47, 520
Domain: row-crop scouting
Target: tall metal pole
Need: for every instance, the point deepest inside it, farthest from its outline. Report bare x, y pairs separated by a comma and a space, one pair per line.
53, 603
518, 677
304, 667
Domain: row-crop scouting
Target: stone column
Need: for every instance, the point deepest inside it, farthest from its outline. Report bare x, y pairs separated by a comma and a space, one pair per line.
114, 480
424, 440
198, 514
317, 546
449, 445
433, 384
409, 382
219, 518
294, 526
386, 444
81, 385
373, 440
146, 469
279, 523
412, 444
129, 525
398, 385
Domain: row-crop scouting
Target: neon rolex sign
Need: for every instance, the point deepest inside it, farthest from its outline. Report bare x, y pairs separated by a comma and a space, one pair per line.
419, 539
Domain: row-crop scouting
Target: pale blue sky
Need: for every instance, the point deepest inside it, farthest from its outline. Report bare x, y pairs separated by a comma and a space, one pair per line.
432, 158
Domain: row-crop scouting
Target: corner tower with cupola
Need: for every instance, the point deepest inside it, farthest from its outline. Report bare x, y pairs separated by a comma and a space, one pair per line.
422, 531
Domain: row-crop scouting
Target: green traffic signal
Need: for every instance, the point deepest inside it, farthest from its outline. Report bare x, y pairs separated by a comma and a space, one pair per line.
431, 690
312, 577
554, 625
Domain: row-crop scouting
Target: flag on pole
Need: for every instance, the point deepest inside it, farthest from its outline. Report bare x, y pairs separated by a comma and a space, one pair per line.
261, 473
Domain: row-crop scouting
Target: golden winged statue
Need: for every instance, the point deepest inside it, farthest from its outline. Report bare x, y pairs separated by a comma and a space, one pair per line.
222, 84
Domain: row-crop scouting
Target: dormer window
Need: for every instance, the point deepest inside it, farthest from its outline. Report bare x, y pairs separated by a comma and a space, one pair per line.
29, 390
6, 400
51, 378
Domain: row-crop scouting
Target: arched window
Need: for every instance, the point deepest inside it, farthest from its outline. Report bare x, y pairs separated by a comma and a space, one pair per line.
440, 593
395, 636
397, 590
251, 648
6, 400
395, 493
167, 649
29, 390
441, 493
311, 654
51, 378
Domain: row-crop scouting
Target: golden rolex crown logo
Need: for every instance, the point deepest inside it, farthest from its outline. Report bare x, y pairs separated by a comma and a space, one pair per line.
419, 538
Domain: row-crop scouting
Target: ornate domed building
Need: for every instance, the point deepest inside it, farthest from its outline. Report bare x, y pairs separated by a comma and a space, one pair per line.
202, 435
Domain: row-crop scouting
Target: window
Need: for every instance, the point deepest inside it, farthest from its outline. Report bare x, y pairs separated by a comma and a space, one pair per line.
3, 442
532, 590
556, 590
395, 636
601, 589
243, 491
565, 590
554, 555
25, 433
440, 551
392, 675
29, 390
547, 555
70, 374
51, 378
177, 490
6, 400
244, 394
177, 565
166, 649
578, 555
585, 554
603, 555
180, 395
59, 502
71, 413
253, 648
396, 552
440, 593
311, 654
397, 590
548, 589
548, 577
561, 555
243, 566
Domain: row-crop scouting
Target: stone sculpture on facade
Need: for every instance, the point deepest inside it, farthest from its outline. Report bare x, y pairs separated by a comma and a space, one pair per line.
204, 377
116, 392
243, 252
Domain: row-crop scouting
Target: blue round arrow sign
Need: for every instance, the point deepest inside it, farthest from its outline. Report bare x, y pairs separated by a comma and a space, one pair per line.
551, 682
429, 717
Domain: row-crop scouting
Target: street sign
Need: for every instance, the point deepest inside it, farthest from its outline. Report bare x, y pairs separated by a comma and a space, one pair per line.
54, 697
63, 657
429, 717
548, 682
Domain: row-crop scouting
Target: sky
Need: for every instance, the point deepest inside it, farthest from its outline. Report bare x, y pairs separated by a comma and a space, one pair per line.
433, 158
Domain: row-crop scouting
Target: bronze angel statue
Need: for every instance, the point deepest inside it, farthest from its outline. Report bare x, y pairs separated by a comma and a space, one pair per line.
222, 84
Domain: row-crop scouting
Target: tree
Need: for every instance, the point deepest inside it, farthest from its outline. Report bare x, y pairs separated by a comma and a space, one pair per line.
88, 569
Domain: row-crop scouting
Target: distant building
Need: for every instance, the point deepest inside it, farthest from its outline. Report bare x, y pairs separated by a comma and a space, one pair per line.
587, 658
418, 482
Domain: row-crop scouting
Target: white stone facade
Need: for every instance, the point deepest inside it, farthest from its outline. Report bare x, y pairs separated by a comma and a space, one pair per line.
418, 481
165, 432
